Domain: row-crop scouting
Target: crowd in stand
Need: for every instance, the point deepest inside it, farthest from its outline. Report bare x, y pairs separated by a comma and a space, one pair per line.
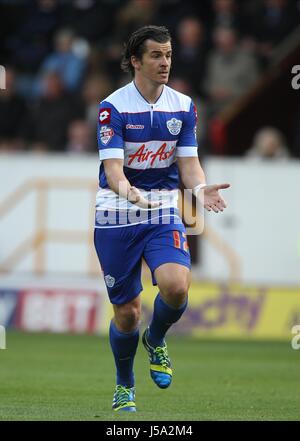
63, 57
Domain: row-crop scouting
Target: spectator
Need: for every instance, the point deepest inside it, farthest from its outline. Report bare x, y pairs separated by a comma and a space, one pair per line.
268, 143
132, 15
231, 71
84, 38
30, 42
63, 60
190, 51
91, 20
271, 23
52, 114
184, 86
234, 14
226, 14
12, 110
79, 137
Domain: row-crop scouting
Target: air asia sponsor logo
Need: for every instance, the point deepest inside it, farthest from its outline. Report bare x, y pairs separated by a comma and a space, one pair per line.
174, 126
104, 116
144, 154
135, 126
106, 133
109, 280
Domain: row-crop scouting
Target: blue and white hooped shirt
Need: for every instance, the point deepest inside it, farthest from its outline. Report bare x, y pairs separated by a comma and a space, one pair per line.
148, 137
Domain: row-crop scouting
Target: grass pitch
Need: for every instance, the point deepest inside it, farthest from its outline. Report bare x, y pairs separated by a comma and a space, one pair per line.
71, 377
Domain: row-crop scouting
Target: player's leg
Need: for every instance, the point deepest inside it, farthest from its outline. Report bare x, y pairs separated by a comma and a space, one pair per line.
121, 266
168, 258
124, 338
170, 303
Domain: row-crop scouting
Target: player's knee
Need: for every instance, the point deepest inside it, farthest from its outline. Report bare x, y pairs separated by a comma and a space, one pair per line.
128, 318
175, 292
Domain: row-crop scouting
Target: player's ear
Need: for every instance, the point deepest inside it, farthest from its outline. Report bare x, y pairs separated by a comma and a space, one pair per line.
136, 62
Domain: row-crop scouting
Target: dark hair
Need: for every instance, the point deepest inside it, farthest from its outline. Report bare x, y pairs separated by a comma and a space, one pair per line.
135, 44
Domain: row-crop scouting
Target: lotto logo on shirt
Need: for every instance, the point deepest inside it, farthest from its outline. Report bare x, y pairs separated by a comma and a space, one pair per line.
104, 116
106, 133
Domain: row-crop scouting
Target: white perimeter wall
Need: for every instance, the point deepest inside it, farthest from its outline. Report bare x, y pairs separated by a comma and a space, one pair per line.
261, 223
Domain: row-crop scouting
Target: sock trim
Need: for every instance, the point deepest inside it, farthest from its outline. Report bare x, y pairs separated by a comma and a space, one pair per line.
122, 333
183, 306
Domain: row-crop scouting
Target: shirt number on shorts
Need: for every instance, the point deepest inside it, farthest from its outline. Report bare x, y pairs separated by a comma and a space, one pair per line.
177, 240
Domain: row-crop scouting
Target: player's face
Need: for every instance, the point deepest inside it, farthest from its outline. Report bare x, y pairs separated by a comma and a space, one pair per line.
156, 62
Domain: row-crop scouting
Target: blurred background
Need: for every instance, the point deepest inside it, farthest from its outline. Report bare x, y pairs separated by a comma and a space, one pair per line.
239, 61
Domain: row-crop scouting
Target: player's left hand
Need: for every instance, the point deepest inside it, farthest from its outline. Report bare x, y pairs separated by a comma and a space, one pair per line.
212, 199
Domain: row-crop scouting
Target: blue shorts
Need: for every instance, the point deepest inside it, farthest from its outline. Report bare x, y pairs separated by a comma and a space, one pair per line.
120, 251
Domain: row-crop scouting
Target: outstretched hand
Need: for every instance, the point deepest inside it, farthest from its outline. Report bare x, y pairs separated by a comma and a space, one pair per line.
212, 199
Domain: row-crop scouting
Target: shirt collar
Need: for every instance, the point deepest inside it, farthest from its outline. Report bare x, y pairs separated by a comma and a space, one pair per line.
138, 93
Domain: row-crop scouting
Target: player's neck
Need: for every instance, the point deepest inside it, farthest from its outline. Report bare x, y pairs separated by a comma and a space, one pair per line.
150, 91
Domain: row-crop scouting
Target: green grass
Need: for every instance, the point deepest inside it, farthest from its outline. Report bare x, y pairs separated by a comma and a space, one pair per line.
68, 377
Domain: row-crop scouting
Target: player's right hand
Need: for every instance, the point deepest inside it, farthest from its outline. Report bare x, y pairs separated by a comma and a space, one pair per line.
212, 199
135, 197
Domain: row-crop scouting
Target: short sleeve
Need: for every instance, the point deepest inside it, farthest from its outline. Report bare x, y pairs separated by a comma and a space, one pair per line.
110, 132
187, 143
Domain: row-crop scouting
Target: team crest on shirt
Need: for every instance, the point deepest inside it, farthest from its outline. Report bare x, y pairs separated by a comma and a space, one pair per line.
109, 280
174, 126
106, 133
